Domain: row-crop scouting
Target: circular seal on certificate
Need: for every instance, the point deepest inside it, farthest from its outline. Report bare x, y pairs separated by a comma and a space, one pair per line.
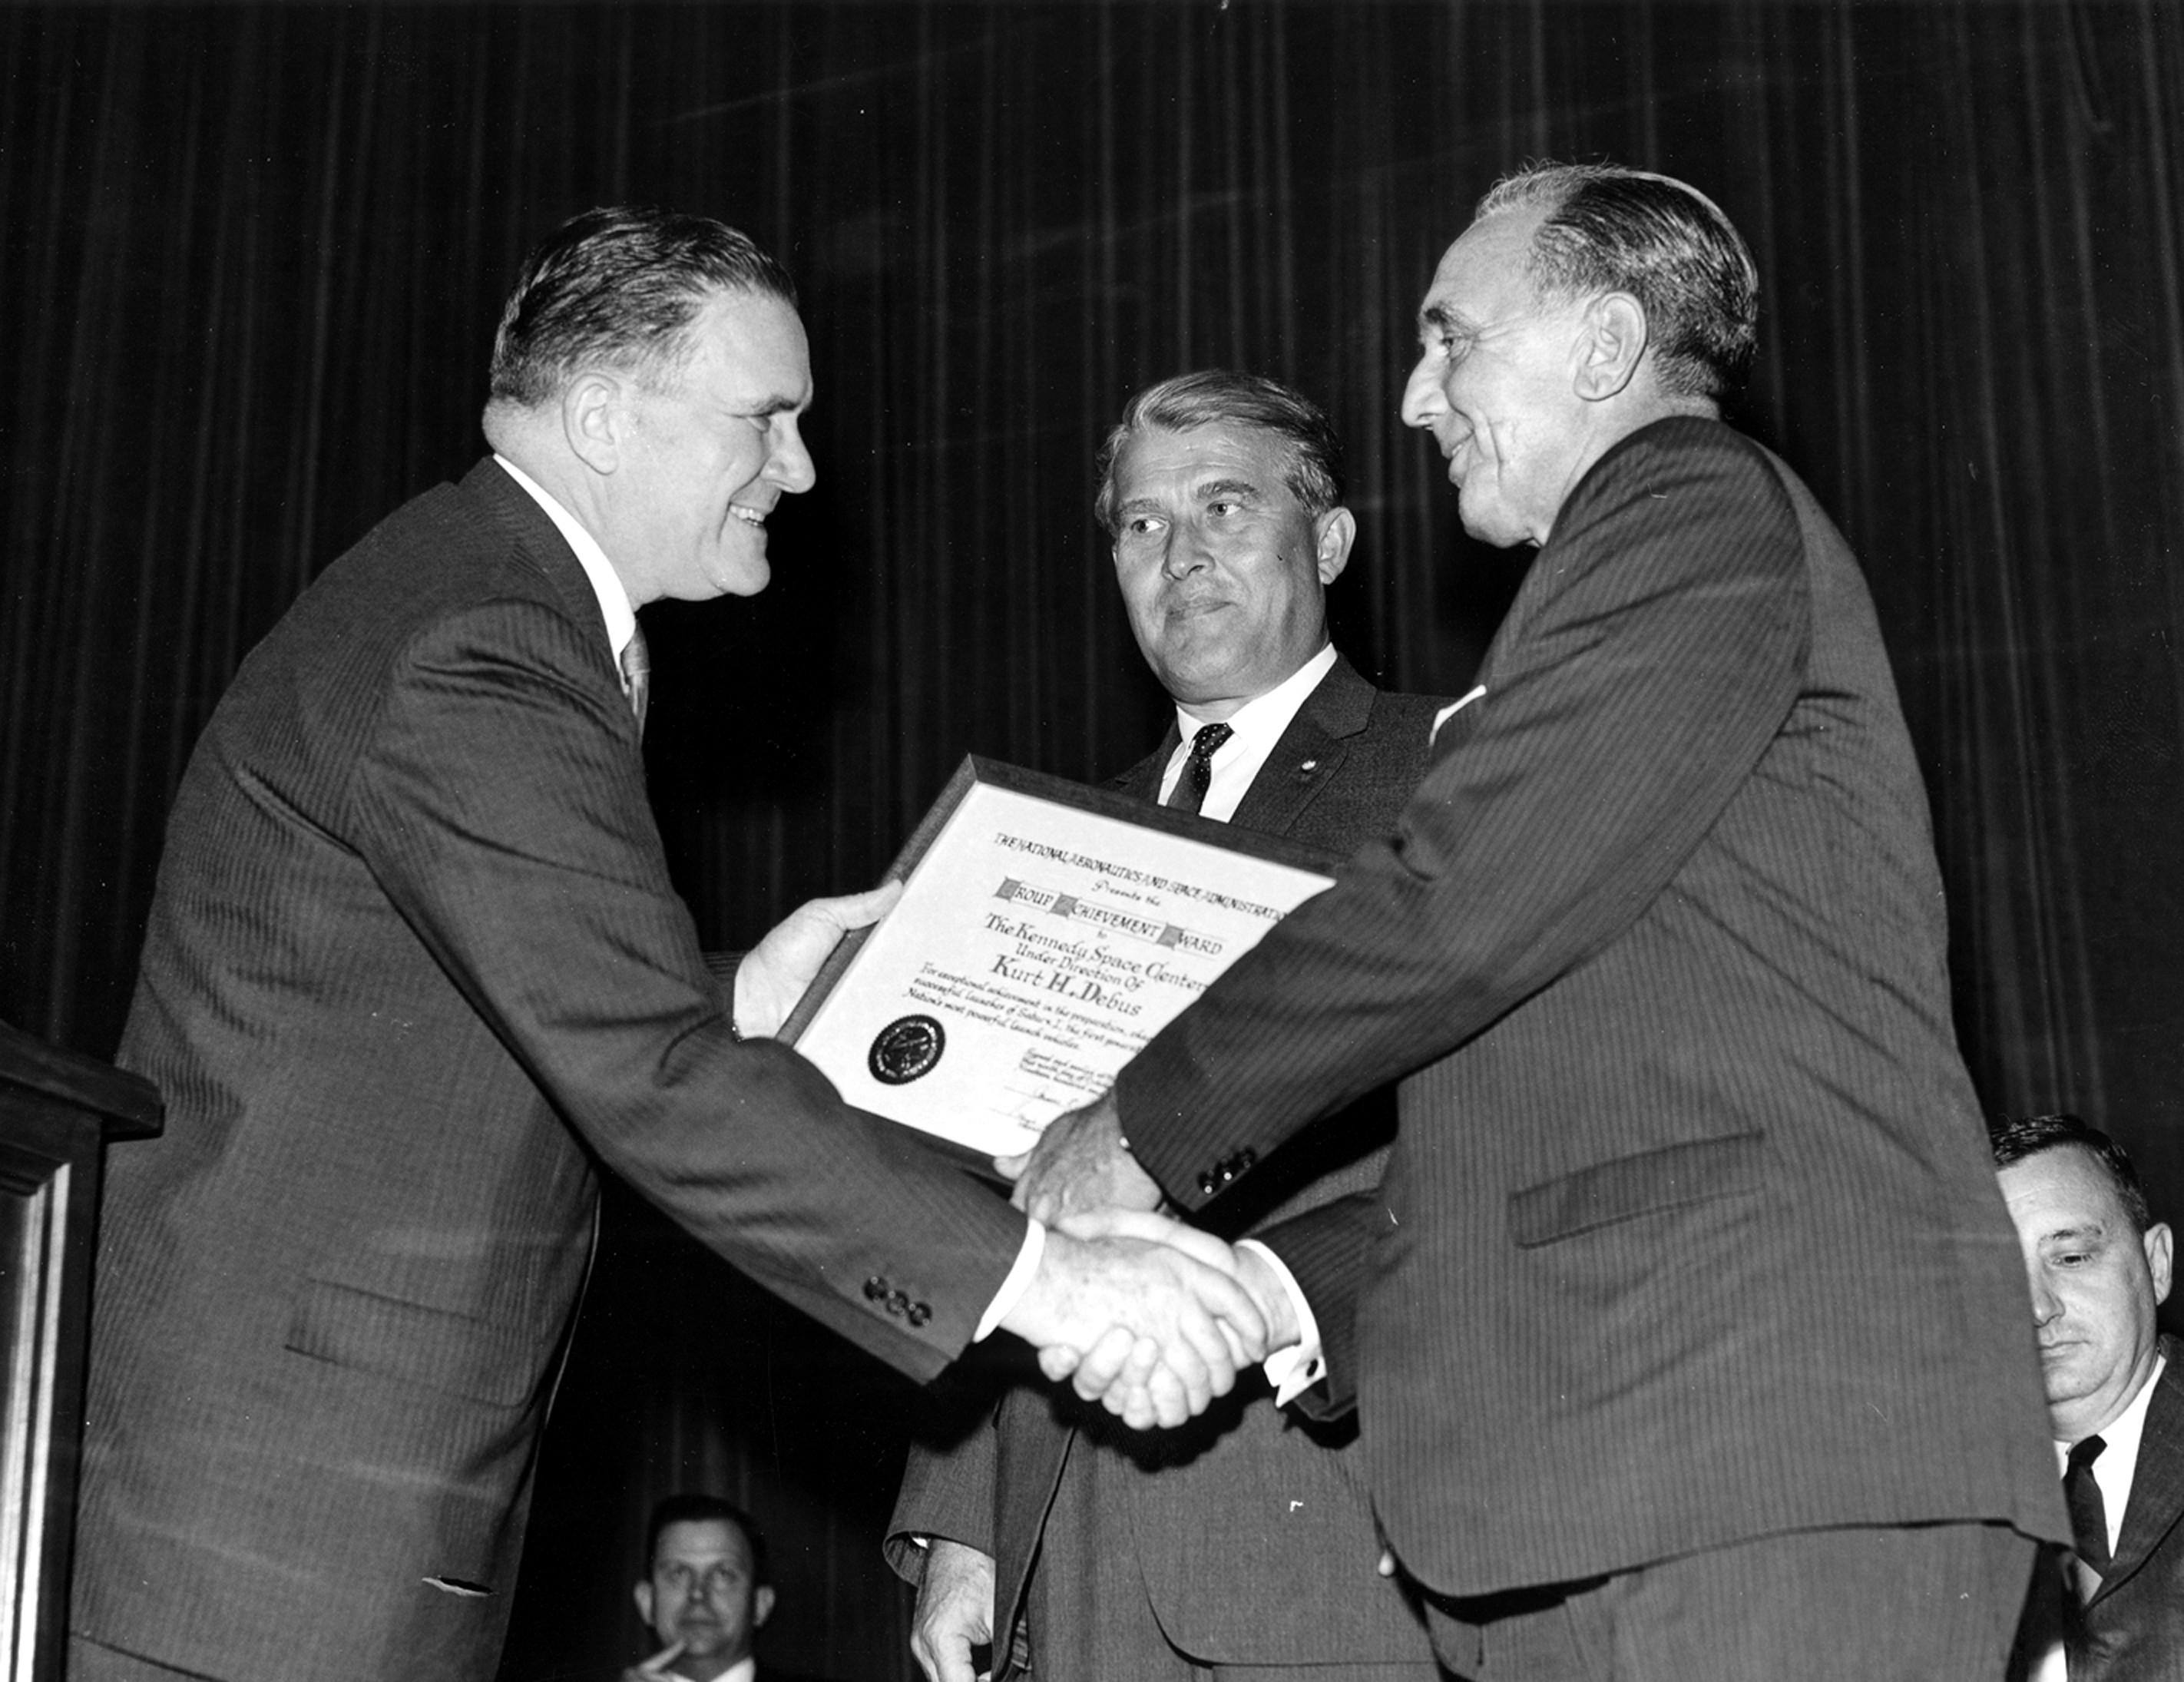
907, 1048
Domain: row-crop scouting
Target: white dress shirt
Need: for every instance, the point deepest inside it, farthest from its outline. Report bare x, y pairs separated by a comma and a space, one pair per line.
1258, 726
2117, 1462
606, 583
2113, 1471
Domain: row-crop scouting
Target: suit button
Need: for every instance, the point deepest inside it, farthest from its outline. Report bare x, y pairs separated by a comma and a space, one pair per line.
875, 1288
1208, 1184
897, 1301
1247, 1158
919, 1314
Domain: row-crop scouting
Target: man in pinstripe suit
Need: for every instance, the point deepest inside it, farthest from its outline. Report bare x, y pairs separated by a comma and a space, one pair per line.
1686, 1328
414, 969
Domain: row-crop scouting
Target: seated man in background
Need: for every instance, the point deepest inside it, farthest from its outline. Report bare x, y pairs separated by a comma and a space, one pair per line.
705, 1593
1244, 1544
2099, 1266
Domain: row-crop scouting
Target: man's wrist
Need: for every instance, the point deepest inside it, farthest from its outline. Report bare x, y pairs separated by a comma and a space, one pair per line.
1020, 1276
1293, 1363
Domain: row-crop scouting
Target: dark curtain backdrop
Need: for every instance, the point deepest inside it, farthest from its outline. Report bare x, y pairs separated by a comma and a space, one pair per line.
252, 261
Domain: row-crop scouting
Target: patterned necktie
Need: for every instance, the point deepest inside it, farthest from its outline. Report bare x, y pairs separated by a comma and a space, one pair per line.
2089, 1516
636, 675
1189, 794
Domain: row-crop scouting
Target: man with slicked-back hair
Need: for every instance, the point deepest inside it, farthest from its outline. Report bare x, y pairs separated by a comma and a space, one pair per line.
416, 972
1241, 1545
1684, 1328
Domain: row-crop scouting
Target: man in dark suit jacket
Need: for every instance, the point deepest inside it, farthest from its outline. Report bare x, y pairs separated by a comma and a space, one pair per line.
1679, 1329
414, 969
1244, 1541
2110, 1609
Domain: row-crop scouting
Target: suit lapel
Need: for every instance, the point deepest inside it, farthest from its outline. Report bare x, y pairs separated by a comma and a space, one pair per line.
1143, 779
2157, 1482
524, 527
1305, 760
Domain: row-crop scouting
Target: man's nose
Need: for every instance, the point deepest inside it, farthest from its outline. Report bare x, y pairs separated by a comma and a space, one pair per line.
1422, 401
1185, 552
2047, 1306
790, 464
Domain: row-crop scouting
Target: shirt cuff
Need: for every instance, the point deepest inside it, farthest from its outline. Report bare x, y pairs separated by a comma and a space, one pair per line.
1296, 1368
1017, 1282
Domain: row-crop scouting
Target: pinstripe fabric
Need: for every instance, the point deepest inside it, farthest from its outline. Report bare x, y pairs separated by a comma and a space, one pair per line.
414, 969
1689, 1233
1252, 1539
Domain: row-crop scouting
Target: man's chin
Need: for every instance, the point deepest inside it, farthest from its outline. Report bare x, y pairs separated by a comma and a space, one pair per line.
746, 578
701, 1640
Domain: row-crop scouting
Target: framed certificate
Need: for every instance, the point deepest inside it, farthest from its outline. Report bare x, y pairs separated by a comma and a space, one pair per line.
1045, 933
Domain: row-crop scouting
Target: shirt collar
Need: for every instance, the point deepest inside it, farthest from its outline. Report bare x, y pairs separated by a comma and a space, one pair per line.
745, 1669
2118, 1464
2120, 1435
1264, 717
1258, 725
606, 583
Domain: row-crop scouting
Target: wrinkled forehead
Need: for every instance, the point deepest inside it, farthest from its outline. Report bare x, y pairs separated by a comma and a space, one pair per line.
1216, 453
1485, 276
751, 353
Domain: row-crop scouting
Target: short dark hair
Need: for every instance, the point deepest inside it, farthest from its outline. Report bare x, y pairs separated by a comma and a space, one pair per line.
691, 1508
619, 286
2014, 1138
1611, 229
1222, 397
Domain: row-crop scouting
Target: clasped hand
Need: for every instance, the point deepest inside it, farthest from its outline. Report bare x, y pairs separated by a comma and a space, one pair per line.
1147, 1316
1199, 1310
1142, 1314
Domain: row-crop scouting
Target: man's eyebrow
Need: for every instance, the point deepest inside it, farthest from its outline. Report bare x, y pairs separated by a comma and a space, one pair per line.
1227, 487
779, 403
1440, 318
2076, 1234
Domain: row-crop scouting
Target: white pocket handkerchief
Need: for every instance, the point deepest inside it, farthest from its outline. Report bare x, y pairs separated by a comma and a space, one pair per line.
1451, 710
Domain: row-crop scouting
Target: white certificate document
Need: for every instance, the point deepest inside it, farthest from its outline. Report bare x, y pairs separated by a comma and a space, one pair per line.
1046, 931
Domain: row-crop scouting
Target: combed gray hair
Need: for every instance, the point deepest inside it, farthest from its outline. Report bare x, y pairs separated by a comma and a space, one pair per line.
618, 287
1611, 229
1222, 397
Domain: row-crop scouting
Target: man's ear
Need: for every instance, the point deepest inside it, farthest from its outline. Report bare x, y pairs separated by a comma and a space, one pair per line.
761, 1604
595, 419
1611, 346
643, 1596
1333, 533
2158, 1259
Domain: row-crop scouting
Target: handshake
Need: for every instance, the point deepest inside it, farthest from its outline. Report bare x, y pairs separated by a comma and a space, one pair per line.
1146, 1316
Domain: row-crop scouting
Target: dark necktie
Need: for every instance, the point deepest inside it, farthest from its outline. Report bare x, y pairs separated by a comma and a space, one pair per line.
2089, 1517
1189, 794
637, 674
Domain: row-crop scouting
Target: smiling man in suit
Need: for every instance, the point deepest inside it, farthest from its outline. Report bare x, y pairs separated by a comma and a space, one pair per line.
1683, 1329
2099, 1268
416, 972
1242, 1546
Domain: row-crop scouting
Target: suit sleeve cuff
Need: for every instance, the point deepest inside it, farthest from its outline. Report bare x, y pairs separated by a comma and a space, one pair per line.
1016, 1283
1296, 1368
